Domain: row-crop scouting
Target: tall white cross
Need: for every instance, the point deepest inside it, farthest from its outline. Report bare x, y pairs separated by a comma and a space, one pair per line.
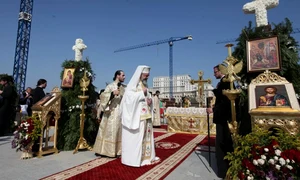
260, 7
78, 48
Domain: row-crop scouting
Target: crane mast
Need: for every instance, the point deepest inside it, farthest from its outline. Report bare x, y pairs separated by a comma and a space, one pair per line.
22, 44
170, 41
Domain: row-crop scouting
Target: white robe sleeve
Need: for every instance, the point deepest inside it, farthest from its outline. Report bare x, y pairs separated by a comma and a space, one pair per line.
131, 109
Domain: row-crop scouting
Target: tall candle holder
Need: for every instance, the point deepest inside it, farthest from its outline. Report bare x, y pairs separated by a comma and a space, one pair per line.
84, 83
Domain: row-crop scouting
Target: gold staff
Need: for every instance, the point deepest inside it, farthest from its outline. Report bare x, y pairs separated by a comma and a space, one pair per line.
230, 67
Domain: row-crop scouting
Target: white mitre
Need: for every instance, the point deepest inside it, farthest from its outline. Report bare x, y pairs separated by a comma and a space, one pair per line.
146, 70
135, 79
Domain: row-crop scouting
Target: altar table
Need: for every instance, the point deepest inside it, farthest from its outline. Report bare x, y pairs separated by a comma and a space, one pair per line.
189, 120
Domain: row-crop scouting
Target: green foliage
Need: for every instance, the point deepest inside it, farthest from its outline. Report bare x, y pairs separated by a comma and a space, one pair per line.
286, 140
37, 124
242, 147
69, 124
259, 138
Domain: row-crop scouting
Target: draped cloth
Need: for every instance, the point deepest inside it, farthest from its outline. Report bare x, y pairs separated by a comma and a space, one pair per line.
138, 147
108, 140
156, 111
98, 108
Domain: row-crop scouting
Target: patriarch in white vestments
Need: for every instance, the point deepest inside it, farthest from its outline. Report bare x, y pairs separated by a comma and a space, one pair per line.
138, 148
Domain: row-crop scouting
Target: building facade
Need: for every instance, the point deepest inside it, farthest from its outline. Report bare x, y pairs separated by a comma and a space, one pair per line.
181, 87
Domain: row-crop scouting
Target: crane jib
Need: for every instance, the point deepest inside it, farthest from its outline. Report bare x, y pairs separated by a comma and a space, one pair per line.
170, 41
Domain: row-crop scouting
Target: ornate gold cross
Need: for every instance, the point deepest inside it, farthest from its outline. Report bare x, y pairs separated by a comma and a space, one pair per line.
200, 83
191, 121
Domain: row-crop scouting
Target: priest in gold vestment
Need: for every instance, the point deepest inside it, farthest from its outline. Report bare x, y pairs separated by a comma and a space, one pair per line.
108, 140
156, 109
138, 148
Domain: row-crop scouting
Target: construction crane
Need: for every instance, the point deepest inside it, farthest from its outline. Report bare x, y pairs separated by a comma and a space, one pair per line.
22, 44
170, 41
296, 30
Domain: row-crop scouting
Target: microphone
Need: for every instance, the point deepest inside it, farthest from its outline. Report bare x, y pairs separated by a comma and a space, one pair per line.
119, 84
111, 97
112, 93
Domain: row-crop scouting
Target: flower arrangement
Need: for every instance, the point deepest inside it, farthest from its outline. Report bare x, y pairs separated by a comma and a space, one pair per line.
265, 154
27, 133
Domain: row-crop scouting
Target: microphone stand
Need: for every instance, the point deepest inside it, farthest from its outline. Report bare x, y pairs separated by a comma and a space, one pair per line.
208, 133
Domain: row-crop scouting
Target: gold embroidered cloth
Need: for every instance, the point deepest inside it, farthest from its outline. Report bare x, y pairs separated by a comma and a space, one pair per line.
189, 120
108, 140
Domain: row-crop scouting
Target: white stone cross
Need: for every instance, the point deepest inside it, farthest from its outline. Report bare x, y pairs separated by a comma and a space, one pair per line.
78, 48
260, 7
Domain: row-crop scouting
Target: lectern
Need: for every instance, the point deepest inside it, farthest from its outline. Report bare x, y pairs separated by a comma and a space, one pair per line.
48, 109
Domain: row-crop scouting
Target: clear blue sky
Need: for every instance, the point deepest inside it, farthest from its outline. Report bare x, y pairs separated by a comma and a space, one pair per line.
107, 25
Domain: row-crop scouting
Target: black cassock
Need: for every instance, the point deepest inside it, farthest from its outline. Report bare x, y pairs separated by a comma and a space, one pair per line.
38, 94
222, 115
6, 108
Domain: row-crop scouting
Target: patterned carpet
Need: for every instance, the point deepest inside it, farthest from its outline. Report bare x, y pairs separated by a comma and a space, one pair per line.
170, 147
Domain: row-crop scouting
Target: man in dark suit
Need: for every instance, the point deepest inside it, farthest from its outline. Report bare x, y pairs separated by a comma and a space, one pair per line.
221, 115
39, 93
6, 105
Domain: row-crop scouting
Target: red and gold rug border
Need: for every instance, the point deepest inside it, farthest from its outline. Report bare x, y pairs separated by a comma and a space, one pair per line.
165, 167
90, 165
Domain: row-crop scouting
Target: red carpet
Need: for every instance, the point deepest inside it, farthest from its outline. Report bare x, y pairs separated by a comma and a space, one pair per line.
205, 141
203, 145
164, 126
171, 148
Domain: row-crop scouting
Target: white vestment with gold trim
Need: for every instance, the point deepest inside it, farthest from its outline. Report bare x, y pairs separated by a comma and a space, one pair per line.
156, 111
138, 146
108, 140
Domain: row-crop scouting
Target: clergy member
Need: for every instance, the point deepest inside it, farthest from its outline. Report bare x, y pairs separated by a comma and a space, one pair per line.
138, 148
156, 109
108, 140
222, 115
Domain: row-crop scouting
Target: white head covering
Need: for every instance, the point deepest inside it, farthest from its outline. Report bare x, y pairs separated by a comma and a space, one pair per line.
146, 70
130, 106
135, 79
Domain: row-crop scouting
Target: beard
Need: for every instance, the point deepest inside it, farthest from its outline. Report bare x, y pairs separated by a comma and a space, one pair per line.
145, 83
